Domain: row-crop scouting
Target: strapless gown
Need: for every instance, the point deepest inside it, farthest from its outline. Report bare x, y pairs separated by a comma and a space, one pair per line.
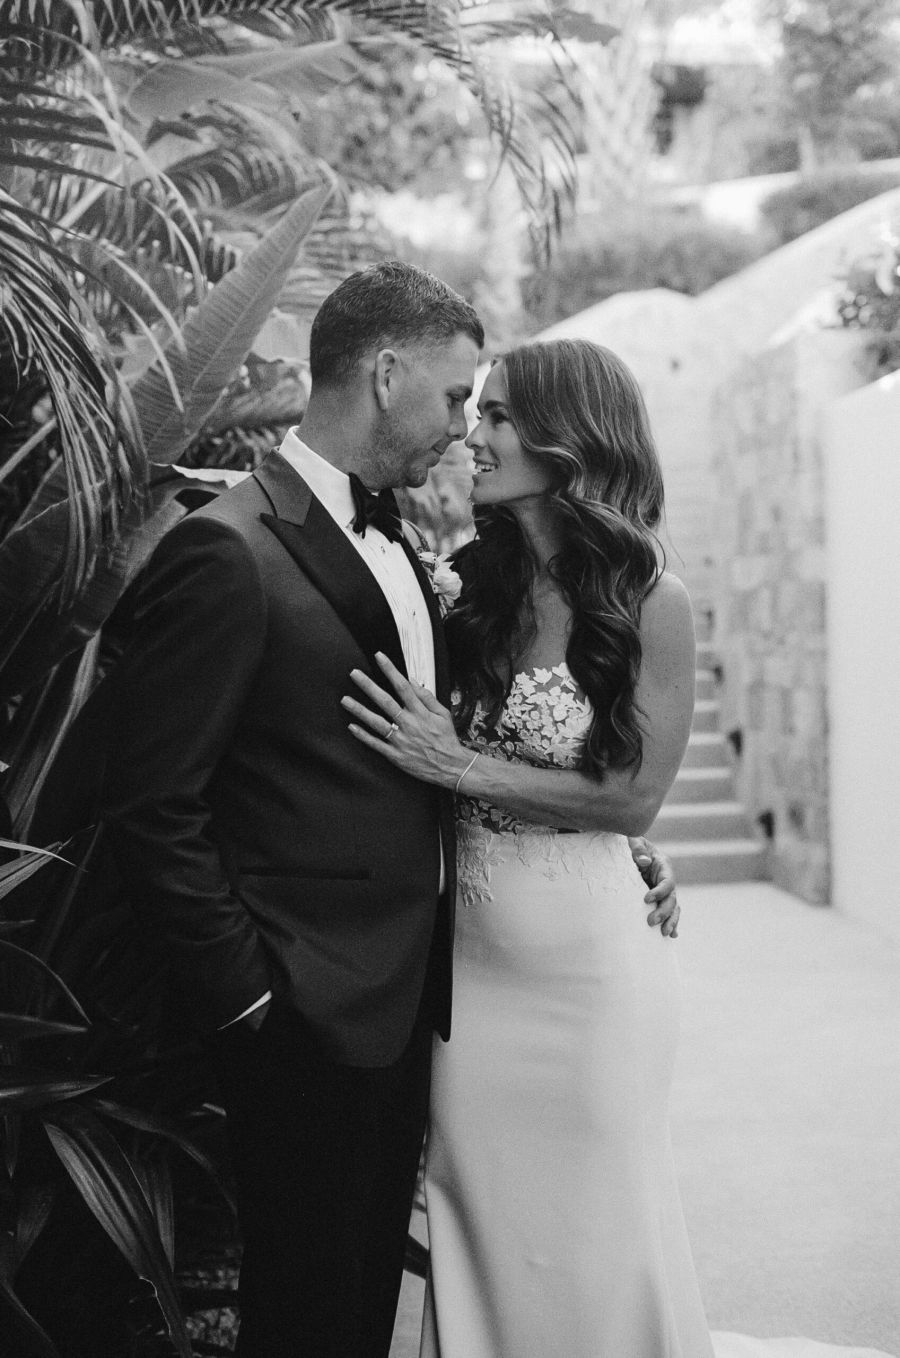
554, 1219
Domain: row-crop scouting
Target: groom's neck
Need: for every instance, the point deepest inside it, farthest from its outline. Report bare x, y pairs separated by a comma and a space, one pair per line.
337, 431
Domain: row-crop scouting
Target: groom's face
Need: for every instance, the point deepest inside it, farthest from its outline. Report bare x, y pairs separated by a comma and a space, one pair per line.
422, 394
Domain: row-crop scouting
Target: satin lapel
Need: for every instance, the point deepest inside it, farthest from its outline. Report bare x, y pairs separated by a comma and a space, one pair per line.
441, 662
322, 551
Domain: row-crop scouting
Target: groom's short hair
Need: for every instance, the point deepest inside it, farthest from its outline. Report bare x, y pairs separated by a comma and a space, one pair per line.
386, 304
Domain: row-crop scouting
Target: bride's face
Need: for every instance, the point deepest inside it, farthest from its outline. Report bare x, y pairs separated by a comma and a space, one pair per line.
504, 471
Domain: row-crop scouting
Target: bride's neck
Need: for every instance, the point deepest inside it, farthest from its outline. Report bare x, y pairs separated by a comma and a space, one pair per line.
541, 529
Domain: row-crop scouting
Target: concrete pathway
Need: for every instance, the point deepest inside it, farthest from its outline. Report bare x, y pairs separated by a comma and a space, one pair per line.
785, 1118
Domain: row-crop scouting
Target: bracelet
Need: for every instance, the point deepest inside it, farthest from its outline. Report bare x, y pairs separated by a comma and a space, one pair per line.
475, 756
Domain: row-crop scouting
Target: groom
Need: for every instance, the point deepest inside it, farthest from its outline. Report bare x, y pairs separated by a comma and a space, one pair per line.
304, 888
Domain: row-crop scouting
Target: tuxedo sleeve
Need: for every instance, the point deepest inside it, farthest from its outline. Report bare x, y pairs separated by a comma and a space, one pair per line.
177, 696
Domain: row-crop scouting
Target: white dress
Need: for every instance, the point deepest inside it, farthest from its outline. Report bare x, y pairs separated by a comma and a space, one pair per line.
554, 1219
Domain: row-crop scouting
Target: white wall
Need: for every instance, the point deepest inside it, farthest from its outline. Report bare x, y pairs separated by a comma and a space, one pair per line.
862, 498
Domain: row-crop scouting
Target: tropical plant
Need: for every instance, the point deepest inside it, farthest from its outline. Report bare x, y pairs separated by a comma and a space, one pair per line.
645, 248
869, 300
147, 149
791, 212
95, 1099
835, 55
158, 175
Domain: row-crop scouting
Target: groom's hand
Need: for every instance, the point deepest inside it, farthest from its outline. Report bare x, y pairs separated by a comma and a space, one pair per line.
657, 871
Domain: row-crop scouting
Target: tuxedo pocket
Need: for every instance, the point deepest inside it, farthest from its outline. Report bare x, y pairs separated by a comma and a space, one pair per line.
304, 903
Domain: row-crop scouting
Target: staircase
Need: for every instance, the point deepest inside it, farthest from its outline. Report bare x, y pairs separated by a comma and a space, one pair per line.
701, 826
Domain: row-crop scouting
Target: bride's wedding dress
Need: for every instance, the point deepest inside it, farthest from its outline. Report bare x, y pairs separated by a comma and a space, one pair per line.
554, 1218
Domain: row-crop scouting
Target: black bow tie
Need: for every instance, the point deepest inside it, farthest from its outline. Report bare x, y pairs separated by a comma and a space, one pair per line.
378, 511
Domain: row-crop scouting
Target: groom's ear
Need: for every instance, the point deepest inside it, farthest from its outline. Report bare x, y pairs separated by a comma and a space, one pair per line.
385, 376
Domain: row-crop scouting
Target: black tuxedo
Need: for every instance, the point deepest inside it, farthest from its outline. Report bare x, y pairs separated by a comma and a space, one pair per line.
274, 851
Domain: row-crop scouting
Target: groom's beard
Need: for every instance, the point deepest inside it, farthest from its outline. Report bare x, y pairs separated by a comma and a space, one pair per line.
395, 458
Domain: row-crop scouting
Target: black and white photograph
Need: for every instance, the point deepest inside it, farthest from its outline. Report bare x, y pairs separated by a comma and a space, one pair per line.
450, 678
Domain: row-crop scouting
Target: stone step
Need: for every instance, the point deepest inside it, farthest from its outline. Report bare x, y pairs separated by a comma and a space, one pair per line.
707, 655
706, 715
707, 685
703, 623
706, 750
709, 861
700, 820
701, 785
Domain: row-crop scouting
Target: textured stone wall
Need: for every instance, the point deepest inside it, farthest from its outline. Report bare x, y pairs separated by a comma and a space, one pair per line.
771, 607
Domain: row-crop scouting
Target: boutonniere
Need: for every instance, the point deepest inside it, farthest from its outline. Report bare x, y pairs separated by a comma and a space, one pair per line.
442, 577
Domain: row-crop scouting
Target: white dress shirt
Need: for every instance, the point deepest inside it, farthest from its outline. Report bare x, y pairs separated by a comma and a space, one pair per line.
388, 563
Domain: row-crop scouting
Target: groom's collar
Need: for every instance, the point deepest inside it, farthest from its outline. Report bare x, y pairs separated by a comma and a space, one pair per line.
288, 493
328, 483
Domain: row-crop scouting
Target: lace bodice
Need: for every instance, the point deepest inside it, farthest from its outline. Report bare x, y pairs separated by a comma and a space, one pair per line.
544, 723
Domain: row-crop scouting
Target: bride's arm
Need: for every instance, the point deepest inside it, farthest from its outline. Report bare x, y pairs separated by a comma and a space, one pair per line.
425, 744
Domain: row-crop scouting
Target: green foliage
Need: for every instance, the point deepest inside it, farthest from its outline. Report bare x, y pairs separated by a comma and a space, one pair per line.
834, 53
869, 300
625, 252
61, 1141
792, 211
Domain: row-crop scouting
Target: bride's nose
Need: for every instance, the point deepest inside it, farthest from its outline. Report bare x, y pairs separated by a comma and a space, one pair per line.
474, 439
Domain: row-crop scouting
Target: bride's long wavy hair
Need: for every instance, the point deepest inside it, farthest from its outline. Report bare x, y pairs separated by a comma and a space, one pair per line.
576, 404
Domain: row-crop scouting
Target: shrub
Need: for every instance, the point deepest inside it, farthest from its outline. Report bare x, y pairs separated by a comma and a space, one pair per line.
657, 248
793, 211
869, 300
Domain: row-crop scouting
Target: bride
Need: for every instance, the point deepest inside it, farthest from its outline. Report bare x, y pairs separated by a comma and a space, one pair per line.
554, 1221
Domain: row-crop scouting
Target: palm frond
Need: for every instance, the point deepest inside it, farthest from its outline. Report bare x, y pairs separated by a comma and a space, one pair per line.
48, 327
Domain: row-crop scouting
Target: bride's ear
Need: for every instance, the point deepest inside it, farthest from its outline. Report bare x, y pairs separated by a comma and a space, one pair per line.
385, 377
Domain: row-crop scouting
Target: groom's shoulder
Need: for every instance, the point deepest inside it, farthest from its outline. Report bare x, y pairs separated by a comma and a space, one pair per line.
237, 508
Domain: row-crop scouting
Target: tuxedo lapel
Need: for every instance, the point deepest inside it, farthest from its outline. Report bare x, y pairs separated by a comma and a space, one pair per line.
308, 532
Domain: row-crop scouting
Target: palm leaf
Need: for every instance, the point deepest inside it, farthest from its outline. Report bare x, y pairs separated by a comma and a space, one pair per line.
34, 1212
37, 1342
155, 1178
37, 635
106, 1180
158, 1126
15, 873
23, 1090
49, 328
26, 961
22, 1027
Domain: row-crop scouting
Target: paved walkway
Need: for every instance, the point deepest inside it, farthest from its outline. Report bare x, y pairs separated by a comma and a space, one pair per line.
786, 1119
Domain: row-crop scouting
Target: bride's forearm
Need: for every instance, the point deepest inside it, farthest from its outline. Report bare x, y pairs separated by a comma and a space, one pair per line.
565, 798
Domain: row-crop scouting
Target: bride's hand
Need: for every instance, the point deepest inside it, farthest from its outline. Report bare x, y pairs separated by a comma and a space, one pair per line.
410, 728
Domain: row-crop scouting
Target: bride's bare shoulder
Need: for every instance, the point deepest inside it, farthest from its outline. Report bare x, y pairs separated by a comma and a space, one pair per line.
666, 615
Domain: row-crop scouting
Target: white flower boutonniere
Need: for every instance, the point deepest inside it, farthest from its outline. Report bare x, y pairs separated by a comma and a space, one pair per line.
443, 578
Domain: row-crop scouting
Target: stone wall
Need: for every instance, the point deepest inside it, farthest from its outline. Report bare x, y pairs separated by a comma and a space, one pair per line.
771, 607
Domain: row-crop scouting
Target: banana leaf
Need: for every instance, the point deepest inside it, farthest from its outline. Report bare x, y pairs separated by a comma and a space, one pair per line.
215, 340
106, 1179
218, 335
